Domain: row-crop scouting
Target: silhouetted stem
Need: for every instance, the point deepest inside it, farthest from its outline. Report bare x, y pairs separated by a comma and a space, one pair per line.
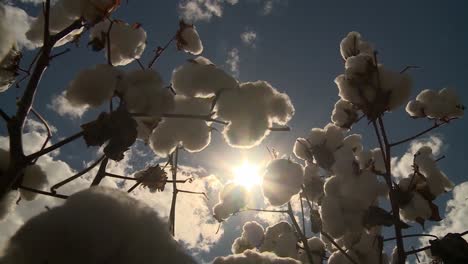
4, 115
160, 51
436, 125
55, 146
46, 125
175, 158
56, 195
300, 233
327, 236
79, 174
191, 192
412, 235
101, 172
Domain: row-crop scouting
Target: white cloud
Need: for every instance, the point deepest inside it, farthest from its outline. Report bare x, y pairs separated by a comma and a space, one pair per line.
402, 167
195, 10
63, 107
249, 37
268, 6
13, 26
232, 61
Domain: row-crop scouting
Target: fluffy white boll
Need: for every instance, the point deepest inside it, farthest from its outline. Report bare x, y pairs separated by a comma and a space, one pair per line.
93, 86
283, 179
444, 104
193, 134
344, 114
91, 10
250, 110
313, 182
317, 248
8, 68
251, 257
252, 236
232, 198
127, 42
332, 215
34, 177
437, 181
97, 221
354, 142
281, 240
59, 18
143, 92
302, 149
188, 39
398, 84
418, 207
201, 78
353, 44
240, 245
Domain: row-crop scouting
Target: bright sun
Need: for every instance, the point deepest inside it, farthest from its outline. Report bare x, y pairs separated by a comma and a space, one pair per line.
247, 175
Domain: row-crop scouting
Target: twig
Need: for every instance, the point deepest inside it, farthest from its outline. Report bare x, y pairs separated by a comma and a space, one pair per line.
4, 115
191, 192
160, 50
327, 236
436, 125
46, 125
79, 174
411, 235
264, 210
55, 146
61, 196
409, 67
174, 163
108, 40
101, 172
285, 128
300, 233
59, 54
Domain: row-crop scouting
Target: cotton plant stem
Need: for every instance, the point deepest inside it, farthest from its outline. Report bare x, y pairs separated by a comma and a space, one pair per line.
76, 176
386, 153
46, 125
18, 160
327, 236
52, 194
101, 172
301, 234
55, 146
436, 125
175, 191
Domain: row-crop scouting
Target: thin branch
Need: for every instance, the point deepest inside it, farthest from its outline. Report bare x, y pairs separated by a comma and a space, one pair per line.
79, 174
56, 195
172, 214
412, 235
284, 128
208, 118
46, 125
59, 54
264, 210
101, 172
191, 192
135, 185
409, 67
160, 51
327, 236
55, 146
300, 233
4, 115
436, 125
108, 40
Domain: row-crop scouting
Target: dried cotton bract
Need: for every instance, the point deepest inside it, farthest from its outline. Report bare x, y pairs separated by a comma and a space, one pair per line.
251, 109
127, 42
193, 134
443, 105
101, 225
93, 86
251, 257
201, 78
283, 179
188, 39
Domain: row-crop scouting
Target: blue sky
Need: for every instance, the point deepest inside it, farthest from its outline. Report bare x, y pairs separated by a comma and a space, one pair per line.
297, 51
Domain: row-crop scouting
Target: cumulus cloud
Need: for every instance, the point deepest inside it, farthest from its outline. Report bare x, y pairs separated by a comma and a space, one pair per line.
232, 62
195, 10
127, 222
63, 107
249, 37
13, 27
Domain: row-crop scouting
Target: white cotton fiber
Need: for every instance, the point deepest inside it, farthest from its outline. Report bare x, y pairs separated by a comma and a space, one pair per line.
283, 179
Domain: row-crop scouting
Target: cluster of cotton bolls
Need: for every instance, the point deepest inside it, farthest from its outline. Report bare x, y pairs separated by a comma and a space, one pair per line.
113, 227
423, 186
127, 42
364, 250
64, 12
283, 178
232, 198
371, 88
279, 239
192, 134
344, 114
262, 104
188, 39
442, 105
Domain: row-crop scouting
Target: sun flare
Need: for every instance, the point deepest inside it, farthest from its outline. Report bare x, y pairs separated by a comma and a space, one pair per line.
247, 175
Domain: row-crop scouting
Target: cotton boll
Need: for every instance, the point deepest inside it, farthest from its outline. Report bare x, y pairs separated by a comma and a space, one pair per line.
91, 10
415, 109
302, 149
232, 198
316, 137
317, 248
364, 159
253, 233
332, 216
347, 91
7, 203
240, 245
143, 93
354, 142
359, 68
127, 42
345, 164
201, 78
418, 207
34, 177
93, 86
332, 186
333, 136
379, 163
252, 257
440, 105
188, 39
344, 114
437, 181
398, 84
250, 110
193, 134
221, 212
353, 45
283, 179
97, 222
8, 68
313, 182
281, 240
